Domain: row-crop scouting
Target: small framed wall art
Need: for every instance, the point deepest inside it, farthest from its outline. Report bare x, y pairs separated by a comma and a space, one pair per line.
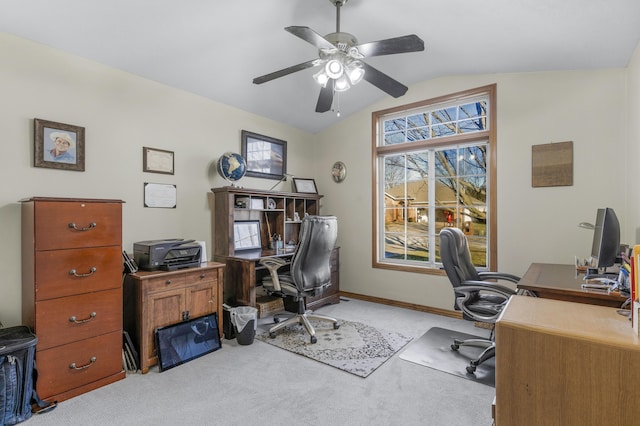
157, 161
58, 145
306, 186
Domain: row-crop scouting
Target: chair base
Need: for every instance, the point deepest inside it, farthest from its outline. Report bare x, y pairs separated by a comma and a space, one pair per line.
489, 352
301, 319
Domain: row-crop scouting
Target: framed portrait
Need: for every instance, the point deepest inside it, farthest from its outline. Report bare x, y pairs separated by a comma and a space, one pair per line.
307, 186
58, 145
266, 157
157, 161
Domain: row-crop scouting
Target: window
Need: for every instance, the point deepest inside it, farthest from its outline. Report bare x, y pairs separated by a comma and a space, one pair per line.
434, 167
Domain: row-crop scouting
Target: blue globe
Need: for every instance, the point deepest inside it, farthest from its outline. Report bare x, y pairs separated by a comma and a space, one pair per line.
232, 166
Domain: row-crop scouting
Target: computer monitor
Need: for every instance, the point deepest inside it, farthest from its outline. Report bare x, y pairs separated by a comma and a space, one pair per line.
606, 239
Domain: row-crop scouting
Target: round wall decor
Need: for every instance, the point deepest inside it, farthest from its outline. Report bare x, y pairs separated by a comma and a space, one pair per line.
338, 171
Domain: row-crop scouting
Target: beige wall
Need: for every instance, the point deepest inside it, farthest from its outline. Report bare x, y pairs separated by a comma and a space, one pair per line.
534, 224
122, 113
633, 153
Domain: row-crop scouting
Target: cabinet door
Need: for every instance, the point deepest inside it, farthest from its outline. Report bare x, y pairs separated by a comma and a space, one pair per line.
201, 299
164, 308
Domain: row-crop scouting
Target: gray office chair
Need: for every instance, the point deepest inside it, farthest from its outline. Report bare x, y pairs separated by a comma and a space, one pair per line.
478, 299
309, 274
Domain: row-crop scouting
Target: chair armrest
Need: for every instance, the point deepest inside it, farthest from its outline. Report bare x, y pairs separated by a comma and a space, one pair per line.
273, 264
488, 275
470, 287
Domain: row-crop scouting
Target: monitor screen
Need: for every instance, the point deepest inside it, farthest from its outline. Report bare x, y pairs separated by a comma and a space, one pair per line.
246, 235
606, 239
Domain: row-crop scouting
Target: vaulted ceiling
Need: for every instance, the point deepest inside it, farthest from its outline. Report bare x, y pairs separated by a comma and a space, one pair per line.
215, 48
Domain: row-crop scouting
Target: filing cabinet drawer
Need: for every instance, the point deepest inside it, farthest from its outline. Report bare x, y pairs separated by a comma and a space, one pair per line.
62, 273
77, 364
73, 318
76, 224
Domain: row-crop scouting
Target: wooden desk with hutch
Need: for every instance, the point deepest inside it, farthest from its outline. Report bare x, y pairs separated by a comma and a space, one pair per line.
278, 213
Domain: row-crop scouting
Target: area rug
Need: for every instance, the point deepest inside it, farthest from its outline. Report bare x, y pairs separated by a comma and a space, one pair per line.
355, 347
433, 349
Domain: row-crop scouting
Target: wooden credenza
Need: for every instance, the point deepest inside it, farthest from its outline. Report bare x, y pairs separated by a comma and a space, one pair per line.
72, 292
565, 364
155, 299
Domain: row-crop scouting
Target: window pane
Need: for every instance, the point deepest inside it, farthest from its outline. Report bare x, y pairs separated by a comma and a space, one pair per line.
394, 138
441, 130
394, 175
473, 160
395, 124
418, 120
418, 134
394, 246
466, 126
473, 190
444, 115
473, 109
446, 162
478, 250
418, 247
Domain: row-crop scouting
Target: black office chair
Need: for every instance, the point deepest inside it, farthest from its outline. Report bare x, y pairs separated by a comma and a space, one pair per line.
478, 299
310, 272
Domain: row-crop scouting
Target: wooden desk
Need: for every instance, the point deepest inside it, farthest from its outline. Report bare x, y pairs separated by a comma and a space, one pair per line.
564, 364
560, 282
243, 273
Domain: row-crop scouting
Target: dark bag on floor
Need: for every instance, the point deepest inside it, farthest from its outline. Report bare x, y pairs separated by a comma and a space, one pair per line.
18, 375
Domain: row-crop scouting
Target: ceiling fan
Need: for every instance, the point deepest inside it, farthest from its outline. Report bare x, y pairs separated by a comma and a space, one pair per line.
340, 59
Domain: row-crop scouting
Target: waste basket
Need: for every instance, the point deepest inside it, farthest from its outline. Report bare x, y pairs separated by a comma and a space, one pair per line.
245, 321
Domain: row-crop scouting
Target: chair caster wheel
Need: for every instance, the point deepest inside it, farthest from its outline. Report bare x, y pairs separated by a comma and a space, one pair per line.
314, 339
272, 334
471, 369
455, 347
276, 320
336, 326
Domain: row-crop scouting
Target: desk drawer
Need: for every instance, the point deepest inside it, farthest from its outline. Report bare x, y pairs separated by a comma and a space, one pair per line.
62, 273
55, 375
209, 275
94, 313
164, 283
60, 225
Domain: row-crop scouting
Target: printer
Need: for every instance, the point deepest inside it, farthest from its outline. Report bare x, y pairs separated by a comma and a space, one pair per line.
167, 255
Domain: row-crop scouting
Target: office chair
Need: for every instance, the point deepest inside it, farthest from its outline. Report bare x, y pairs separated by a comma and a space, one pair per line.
478, 299
309, 274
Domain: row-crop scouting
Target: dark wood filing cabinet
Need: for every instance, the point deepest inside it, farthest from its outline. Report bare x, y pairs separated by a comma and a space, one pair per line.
72, 292
158, 298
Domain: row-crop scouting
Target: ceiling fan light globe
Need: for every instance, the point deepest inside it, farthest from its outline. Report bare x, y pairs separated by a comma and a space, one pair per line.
342, 84
321, 78
334, 69
355, 72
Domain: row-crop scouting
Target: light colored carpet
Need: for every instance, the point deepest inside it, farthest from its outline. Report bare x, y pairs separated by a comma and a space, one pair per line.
355, 347
263, 385
433, 349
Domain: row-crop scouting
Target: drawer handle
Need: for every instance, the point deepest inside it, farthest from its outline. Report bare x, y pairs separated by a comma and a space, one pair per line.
82, 367
202, 276
91, 226
168, 282
88, 274
92, 315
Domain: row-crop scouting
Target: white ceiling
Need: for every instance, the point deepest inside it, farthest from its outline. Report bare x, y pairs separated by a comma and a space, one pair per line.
215, 48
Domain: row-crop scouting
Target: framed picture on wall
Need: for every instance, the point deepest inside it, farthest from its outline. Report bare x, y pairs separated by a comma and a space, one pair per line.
58, 145
157, 160
307, 186
266, 157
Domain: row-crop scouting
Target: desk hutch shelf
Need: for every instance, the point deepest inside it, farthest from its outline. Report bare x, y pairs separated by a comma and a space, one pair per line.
279, 213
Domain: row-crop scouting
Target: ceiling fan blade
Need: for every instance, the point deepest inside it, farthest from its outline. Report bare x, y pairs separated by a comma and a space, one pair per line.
383, 81
390, 46
310, 36
326, 97
286, 71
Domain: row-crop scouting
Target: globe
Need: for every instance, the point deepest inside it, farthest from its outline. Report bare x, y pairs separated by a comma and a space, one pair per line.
232, 166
